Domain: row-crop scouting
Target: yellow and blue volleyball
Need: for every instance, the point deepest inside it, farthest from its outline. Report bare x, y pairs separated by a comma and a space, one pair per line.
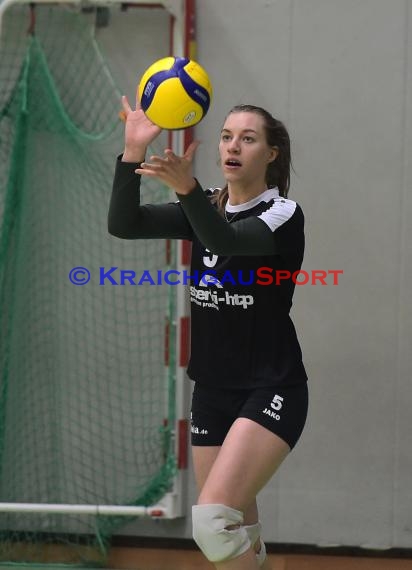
175, 93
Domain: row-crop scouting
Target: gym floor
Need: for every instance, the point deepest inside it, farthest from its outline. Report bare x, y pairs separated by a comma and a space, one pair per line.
122, 558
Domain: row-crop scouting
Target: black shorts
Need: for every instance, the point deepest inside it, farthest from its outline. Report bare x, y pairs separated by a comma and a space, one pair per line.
282, 411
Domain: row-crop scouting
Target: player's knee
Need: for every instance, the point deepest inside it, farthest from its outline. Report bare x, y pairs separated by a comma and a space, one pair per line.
218, 531
256, 541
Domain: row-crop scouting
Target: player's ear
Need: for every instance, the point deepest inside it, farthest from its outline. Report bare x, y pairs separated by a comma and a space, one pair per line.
273, 153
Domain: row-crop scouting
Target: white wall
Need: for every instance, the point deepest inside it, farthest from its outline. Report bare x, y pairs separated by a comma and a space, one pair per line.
338, 72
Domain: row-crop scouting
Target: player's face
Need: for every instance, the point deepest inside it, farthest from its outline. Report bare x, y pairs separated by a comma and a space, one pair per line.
244, 151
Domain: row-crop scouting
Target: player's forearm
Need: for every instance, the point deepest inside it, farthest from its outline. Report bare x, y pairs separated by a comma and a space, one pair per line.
125, 201
134, 154
128, 219
249, 236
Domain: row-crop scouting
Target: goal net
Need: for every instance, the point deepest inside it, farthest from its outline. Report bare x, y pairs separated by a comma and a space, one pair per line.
87, 401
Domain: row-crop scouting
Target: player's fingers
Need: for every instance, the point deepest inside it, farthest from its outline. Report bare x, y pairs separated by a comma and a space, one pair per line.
145, 167
170, 155
126, 105
191, 149
146, 172
157, 159
151, 168
126, 109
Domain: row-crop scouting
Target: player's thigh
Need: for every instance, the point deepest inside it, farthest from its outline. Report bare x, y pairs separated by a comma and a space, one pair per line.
210, 421
248, 458
203, 461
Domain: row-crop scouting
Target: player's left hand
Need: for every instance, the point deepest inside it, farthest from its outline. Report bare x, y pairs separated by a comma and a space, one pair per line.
175, 171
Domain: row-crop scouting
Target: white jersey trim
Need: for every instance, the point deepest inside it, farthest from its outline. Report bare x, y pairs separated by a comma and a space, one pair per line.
279, 213
266, 196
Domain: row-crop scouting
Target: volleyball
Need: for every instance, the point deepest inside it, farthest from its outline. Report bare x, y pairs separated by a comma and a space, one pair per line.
175, 93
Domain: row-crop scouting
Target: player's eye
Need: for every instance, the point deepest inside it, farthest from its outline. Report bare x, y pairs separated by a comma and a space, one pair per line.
225, 138
248, 139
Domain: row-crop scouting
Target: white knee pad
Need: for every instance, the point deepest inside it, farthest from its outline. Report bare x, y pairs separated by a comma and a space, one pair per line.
253, 531
211, 535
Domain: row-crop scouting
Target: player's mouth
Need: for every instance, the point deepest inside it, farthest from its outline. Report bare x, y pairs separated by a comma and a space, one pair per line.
233, 164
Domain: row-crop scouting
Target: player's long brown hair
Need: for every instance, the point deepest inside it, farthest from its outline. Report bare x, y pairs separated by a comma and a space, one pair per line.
278, 171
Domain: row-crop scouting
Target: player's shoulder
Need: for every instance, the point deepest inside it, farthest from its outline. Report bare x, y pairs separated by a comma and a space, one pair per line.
288, 205
281, 210
283, 203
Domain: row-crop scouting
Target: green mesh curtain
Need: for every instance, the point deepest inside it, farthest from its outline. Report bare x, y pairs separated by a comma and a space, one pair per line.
84, 392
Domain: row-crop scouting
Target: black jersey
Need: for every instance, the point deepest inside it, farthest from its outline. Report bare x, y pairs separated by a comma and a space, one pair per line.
241, 331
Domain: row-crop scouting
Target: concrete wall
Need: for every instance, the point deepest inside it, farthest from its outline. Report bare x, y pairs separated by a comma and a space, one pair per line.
338, 72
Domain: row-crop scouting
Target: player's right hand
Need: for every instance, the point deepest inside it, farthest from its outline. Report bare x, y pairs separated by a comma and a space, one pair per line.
140, 132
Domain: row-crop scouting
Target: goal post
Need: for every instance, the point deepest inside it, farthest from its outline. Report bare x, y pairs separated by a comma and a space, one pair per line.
179, 9
93, 393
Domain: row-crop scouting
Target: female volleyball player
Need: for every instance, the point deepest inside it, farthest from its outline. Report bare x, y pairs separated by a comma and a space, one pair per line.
250, 396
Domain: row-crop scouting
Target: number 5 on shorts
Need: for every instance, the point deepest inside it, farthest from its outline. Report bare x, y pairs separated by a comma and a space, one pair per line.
277, 403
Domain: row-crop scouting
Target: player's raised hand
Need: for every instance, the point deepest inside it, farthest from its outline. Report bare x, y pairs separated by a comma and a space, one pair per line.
140, 132
175, 171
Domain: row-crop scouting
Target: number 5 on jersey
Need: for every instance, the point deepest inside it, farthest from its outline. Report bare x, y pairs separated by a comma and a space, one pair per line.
210, 260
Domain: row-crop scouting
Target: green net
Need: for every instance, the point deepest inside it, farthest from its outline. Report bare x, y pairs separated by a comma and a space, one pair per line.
86, 401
